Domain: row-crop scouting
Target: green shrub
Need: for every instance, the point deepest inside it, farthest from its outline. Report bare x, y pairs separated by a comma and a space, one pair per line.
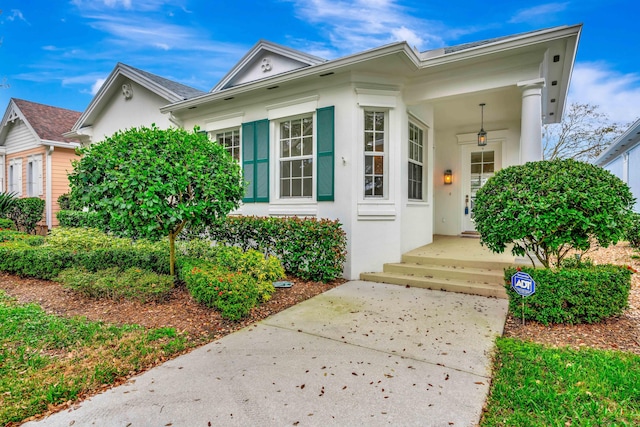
584, 294
308, 248
7, 224
8, 235
27, 212
265, 270
632, 234
64, 202
71, 218
233, 294
546, 208
156, 260
116, 283
86, 239
41, 262
7, 201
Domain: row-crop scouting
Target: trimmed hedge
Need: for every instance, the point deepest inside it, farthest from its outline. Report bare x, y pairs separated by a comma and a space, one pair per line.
117, 283
46, 262
585, 294
7, 224
9, 235
308, 248
71, 218
233, 294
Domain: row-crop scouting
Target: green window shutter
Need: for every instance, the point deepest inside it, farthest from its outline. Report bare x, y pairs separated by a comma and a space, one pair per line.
325, 157
255, 160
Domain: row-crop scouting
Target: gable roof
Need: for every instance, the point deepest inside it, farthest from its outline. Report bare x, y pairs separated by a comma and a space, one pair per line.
48, 123
294, 59
170, 90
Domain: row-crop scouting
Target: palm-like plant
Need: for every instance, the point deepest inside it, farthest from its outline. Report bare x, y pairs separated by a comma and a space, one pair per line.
7, 202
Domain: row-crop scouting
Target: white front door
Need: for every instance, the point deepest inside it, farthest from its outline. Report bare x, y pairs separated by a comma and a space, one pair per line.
479, 164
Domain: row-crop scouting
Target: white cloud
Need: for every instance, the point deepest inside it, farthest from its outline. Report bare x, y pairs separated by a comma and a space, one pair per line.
358, 25
97, 85
615, 93
16, 14
538, 13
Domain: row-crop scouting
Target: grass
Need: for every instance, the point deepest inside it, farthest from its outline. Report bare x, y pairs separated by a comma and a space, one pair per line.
46, 360
534, 385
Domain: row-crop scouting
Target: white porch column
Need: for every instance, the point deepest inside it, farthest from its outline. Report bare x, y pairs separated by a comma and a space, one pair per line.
531, 127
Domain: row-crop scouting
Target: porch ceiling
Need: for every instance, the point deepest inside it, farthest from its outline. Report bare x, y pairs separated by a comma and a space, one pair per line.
462, 113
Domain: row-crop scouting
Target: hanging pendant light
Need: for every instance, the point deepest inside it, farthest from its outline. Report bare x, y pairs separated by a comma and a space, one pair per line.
482, 135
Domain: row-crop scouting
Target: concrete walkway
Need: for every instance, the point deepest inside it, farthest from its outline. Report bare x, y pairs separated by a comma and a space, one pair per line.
360, 354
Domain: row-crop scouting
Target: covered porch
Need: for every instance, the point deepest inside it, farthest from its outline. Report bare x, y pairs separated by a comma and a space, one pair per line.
453, 264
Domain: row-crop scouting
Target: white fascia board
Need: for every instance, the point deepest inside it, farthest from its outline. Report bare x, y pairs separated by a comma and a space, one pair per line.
329, 66
504, 45
610, 153
106, 89
59, 144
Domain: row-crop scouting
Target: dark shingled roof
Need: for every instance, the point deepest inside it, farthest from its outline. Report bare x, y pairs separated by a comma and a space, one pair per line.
184, 91
48, 122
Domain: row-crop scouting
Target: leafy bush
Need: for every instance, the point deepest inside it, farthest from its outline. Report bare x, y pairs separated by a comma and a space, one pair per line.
585, 294
547, 208
233, 294
41, 261
7, 224
115, 283
87, 239
156, 260
7, 201
632, 234
8, 235
308, 248
27, 212
71, 218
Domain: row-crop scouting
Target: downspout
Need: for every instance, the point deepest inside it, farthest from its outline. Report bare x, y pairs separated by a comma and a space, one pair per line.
49, 202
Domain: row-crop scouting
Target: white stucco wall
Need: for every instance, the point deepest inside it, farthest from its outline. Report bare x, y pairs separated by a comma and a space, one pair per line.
119, 113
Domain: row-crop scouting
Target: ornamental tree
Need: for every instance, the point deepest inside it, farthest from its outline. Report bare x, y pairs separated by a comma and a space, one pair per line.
151, 183
547, 208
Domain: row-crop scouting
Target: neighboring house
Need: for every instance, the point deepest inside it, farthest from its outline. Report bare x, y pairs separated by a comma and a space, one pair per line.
622, 158
35, 157
368, 139
128, 98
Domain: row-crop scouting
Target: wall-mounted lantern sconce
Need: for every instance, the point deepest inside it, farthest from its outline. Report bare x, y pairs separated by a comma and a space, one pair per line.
482, 135
448, 177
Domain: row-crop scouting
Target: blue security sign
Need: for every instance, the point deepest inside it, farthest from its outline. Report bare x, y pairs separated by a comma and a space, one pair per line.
523, 284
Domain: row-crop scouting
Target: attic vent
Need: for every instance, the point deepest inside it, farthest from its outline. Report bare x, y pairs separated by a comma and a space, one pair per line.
327, 74
229, 98
553, 100
192, 108
554, 83
273, 87
551, 113
556, 58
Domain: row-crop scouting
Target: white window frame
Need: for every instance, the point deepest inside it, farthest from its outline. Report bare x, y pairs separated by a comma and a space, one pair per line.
384, 154
417, 159
34, 176
233, 149
15, 176
280, 159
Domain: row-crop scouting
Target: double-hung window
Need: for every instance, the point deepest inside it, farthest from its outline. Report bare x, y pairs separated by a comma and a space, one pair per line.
15, 176
416, 162
295, 147
375, 146
230, 140
34, 176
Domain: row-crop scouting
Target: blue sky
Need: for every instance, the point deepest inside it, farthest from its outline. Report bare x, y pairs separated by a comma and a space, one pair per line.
58, 52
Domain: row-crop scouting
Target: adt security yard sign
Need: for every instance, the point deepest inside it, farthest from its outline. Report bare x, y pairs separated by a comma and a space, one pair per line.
523, 284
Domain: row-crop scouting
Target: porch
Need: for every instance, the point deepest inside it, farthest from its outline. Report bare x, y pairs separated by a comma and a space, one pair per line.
450, 263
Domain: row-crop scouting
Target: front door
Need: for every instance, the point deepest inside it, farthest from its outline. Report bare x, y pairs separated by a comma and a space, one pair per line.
480, 164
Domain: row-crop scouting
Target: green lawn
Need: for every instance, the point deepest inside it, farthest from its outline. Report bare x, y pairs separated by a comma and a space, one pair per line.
534, 385
46, 360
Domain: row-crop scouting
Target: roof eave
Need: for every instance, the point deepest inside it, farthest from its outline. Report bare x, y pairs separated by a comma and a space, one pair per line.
610, 153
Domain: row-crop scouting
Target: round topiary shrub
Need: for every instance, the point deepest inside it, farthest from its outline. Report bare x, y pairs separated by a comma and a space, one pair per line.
545, 209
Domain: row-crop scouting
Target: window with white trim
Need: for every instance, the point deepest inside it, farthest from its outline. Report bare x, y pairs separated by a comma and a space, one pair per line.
15, 176
230, 140
34, 176
295, 150
375, 145
416, 162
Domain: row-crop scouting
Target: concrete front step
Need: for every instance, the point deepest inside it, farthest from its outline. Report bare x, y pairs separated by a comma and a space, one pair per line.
456, 262
447, 272
437, 283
